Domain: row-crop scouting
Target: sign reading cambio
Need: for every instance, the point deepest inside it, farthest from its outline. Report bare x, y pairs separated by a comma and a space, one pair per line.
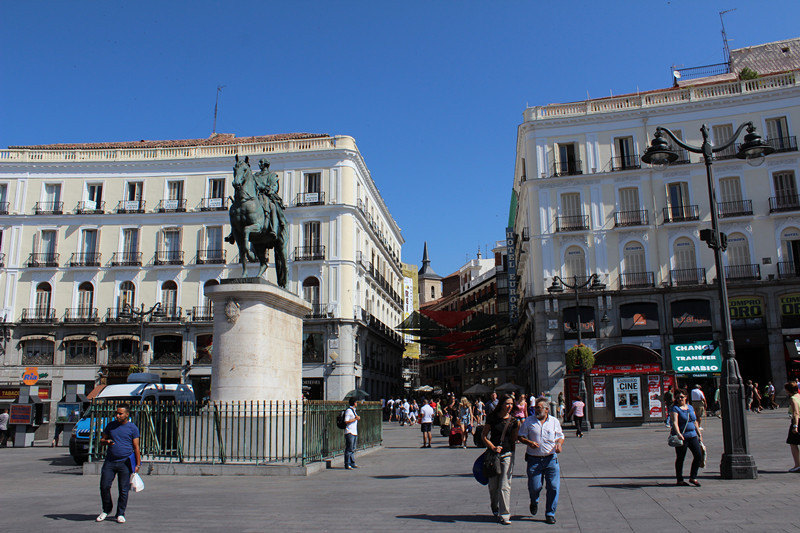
702, 357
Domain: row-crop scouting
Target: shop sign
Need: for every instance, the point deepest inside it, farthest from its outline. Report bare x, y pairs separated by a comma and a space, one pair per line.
639, 368
12, 393
627, 398
30, 376
513, 298
790, 304
702, 357
744, 307
691, 314
21, 413
654, 396
599, 391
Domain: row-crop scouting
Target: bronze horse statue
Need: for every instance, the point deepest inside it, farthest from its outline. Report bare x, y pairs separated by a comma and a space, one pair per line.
255, 211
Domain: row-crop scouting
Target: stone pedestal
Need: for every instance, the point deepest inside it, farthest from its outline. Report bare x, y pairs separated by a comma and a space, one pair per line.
258, 337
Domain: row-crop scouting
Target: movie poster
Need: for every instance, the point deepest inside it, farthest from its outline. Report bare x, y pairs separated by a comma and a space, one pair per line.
599, 391
627, 398
654, 396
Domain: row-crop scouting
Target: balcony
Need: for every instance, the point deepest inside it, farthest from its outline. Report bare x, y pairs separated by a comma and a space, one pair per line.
90, 208
167, 314
80, 315
727, 153
126, 259
309, 198
625, 162
637, 280
85, 259
130, 206
123, 358
687, 276
572, 222
4, 208
167, 358
784, 202
38, 315
124, 316
788, 269
681, 213
168, 257
631, 218
214, 204
202, 314
739, 208
572, 167
210, 257
46, 260
171, 206
48, 208
318, 310
309, 253
742, 272
683, 156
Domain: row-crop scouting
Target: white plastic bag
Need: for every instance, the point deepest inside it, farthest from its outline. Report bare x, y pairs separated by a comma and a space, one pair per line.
136, 483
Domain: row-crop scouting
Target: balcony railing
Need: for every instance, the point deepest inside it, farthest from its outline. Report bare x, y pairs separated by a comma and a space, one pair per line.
167, 358
48, 208
214, 204
737, 208
309, 198
126, 259
309, 253
788, 269
727, 153
743, 272
681, 213
130, 206
683, 156
202, 314
43, 260
168, 257
4, 208
167, 314
571, 167
80, 315
115, 314
572, 222
318, 310
171, 206
688, 276
85, 259
38, 315
625, 162
631, 218
635, 280
784, 202
210, 257
124, 358
90, 208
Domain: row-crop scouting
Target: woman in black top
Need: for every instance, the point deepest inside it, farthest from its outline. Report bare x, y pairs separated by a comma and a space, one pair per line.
500, 434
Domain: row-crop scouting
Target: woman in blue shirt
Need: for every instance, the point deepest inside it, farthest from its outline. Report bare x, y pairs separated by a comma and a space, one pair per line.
684, 424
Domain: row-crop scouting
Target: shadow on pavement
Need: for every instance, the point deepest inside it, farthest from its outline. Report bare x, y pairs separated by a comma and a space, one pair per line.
451, 518
64, 460
631, 486
72, 517
401, 476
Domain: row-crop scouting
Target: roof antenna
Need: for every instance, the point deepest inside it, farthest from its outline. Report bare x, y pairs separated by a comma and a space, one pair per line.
216, 106
725, 49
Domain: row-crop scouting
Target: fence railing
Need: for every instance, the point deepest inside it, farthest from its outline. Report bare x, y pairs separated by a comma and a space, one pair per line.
258, 433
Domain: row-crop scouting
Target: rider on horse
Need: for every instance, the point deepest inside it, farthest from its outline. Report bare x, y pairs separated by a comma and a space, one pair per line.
268, 186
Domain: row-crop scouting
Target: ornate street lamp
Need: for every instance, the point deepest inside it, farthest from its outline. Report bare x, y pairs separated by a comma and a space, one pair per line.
141, 314
737, 462
557, 287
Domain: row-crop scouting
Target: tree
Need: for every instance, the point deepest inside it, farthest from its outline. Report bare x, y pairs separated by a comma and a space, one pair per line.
579, 357
748, 74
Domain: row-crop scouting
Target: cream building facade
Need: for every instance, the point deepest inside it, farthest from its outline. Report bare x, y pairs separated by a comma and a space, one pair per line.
90, 231
588, 205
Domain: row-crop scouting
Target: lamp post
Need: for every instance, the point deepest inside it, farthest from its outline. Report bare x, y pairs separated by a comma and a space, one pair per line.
594, 284
141, 314
737, 462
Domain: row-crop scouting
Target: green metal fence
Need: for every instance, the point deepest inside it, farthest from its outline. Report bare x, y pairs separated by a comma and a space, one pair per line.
268, 432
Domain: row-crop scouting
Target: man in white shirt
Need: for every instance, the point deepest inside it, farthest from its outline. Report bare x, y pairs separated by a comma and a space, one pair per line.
351, 419
426, 414
544, 437
390, 404
699, 402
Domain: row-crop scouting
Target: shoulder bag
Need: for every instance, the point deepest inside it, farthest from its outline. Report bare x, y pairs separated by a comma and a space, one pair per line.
674, 440
492, 464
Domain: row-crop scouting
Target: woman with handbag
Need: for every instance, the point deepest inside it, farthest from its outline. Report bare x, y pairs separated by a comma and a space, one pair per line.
685, 436
500, 434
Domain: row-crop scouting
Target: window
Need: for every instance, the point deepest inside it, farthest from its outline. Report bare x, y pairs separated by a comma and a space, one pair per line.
629, 199
47, 245
207, 303
722, 134
785, 188
213, 242
730, 190
311, 290
571, 205
38, 352
167, 349
94, 196
80, 352
175, 190
312, 182
216, 188
134, 191
85, 299
679, 203
52, 194
3, 196
170, 246
311, 235
89, 244
42, 303
738, 250
169, 298
684, 254
626, 155
433, 293
567, 162
633, 258
575, 263
778, 133
127, 295
130, 242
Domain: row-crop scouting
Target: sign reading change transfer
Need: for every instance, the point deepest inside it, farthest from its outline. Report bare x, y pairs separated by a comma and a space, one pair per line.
698, 358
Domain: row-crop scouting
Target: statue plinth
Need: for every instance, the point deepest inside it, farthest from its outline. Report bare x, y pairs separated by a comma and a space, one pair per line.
258, 338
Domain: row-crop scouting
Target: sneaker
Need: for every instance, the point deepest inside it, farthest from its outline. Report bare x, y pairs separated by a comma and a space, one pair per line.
795, 469
101, 517
534, 507
353, 465
120, 519
348, 467
505, 522
549, 519
694, 482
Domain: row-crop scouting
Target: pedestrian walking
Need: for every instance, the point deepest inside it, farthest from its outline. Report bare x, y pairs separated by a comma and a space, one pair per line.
577, 414
499, 435
351, 419
756, 399
491, 405
59, 431
793, 439
685, 424
426, 414
480, 412
699, 401
748, 395
544, 437
4, 433
769, 395
521, 408
562, 406
669, 399
390, 406
466, 417
717, 407
123, 458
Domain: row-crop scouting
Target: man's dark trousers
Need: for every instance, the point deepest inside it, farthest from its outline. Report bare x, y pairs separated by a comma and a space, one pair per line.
350, 449
122, 469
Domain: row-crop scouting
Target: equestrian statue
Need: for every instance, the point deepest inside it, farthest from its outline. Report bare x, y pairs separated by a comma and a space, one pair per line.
257, 219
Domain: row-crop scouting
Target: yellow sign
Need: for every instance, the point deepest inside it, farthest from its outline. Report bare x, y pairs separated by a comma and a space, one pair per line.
745, 307
790, 304
410, 305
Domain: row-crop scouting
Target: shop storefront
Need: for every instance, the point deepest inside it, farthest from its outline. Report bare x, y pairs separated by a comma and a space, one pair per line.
790, 319
750, 338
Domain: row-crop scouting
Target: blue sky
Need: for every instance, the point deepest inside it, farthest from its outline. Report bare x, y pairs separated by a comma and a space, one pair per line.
432, 91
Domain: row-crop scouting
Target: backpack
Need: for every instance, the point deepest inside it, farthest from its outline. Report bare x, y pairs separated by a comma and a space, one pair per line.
340, 423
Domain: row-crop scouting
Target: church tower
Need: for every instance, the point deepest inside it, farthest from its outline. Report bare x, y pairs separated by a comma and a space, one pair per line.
430, 283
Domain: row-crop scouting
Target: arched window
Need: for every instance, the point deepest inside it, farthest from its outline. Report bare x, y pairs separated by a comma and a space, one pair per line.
42, 305
206, 300
575, 262
85, 298
127, 295
169, 297
311, 290
433, 292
